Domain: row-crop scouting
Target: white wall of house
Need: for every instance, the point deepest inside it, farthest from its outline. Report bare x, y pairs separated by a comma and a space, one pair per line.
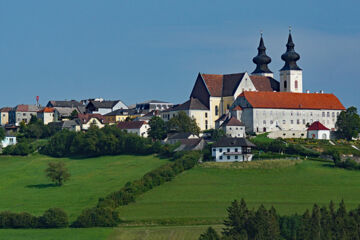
46, 117
319, 134
293, 79
7, 141
230, 154
202, 117
234, 131
142, 131
269, 120
92, 121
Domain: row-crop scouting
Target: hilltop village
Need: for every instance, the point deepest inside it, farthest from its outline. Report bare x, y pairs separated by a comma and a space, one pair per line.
240, 104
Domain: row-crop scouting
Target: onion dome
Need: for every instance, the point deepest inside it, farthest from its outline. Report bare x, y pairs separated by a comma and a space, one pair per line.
261, 60
290, 56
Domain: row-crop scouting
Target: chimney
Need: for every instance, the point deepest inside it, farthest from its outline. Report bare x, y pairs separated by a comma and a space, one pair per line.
307, 91
321, 91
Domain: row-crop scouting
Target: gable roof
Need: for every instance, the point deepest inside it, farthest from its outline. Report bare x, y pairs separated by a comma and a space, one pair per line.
123, 112
131, 124
174, 136
46, 110
233, 142
267, 84
5, 109
104, 104
190, 144
289, 100
70, 104
317, 126
221, 85
232, 122
191, 104
26, 108
85, 118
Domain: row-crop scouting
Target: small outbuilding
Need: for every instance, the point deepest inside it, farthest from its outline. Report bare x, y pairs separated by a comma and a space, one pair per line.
228, 149
318, 131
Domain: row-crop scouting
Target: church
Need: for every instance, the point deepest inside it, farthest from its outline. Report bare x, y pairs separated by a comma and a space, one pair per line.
260, 102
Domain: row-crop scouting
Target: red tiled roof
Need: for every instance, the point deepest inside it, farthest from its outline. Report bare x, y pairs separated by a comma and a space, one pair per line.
84, 118
130, 124
266, 84
214, 83
288, 100
5, 109
47, 110
237, 108
317, 126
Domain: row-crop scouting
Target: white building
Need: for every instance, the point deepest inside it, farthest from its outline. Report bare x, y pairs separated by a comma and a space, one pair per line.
100, 106
232, 150
318, 131
138, 127
47, 115
232, 127
8, 140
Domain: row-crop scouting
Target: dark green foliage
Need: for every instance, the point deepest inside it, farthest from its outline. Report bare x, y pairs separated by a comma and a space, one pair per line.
2, 133
97, 217
215, 134
57, 172
183, 123
210, 234
157, 129
20, 149
109, 140
36, 129
106, 206
348, 124
320, 224
52, 218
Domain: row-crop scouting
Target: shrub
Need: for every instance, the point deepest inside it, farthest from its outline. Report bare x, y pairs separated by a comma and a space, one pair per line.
97, 217
20, 149
54, 218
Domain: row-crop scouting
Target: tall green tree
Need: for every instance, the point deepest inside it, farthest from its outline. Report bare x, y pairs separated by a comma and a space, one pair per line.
237, 220
348, 124
157, 129
2, 133
315, 223
182, 123
210, 234
57, 172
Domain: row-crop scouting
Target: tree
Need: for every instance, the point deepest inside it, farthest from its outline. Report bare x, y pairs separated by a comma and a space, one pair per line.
210, 234
57, 172
74, 114
183, 123
2, 133
315, 223
348, 124
157, 129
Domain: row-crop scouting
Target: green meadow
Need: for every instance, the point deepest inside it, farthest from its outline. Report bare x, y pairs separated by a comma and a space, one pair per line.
201, 195
24, 187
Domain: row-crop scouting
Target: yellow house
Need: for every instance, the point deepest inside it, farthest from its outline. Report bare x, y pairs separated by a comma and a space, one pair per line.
217, 92
4, 117
121, 115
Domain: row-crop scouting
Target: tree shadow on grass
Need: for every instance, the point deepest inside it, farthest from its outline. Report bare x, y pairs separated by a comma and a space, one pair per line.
328, 165
41, 186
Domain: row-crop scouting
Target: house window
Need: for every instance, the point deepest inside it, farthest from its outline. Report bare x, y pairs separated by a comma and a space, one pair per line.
228, 150
298, 121
271, 121
284, 121
216, 110
328, 114
230, 128
285, 84
220, 157
264, 122
206, 115
292, 121
323, 114
333, 114
228, 106
236, 149
228, 157
206, 124
220, 150
24, 114
296, 84
214, 149
303, 121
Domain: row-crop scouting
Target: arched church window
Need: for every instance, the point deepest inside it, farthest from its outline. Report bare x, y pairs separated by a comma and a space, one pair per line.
296, 84
285, 84
216, 110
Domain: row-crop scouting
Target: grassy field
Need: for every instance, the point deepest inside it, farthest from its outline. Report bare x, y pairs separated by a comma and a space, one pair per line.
201, 195
56, 234
160, 232
24, 187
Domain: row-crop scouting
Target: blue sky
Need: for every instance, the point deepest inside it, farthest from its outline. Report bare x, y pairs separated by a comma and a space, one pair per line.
153, 49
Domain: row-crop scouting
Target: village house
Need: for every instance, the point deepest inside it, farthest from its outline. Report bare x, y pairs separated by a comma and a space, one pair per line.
4, 116
10, 139
173, 138
103, 107
228, 149
152, 105
47, 115
22, 113
65, 109
87, 120
232, 127
121, 115
318, 131
139, 128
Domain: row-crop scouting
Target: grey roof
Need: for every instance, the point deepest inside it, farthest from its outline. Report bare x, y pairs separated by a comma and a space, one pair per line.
123, 112
152, 101
179, 136
192, 104
104, 104
232, 121
191, 144
65, 111
233, 142
71, 123
71, 103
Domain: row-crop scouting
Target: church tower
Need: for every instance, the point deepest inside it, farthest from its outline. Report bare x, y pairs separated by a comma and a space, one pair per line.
262, 60
290, 74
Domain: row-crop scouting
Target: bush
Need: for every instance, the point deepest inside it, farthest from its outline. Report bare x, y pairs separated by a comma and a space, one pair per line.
20, 149
97, 217
54, 218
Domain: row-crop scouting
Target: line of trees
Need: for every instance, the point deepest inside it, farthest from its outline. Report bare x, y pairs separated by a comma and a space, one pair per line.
322, 223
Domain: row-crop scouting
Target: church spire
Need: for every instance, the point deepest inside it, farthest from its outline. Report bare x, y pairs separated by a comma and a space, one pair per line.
261, 60
290, 56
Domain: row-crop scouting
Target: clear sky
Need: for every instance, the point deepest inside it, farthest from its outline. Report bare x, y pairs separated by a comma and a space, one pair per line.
153, 49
